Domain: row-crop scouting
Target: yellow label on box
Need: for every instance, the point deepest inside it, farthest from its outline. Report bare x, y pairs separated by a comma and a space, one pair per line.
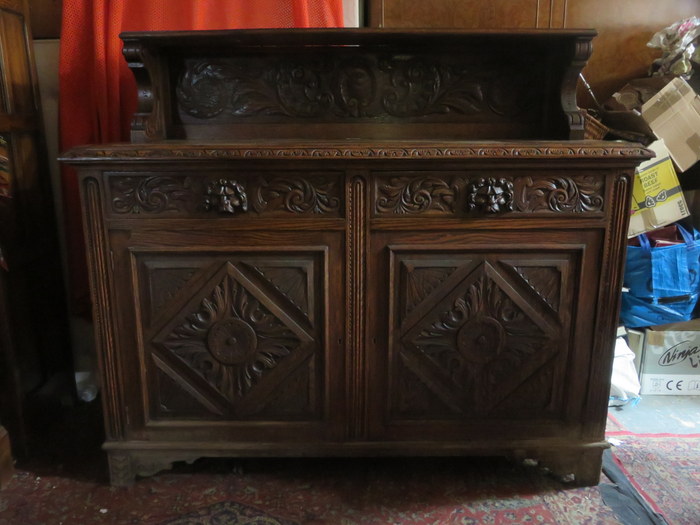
657, 197
655, 185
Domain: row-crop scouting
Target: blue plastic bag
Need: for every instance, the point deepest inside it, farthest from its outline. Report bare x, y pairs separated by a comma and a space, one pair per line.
663, 282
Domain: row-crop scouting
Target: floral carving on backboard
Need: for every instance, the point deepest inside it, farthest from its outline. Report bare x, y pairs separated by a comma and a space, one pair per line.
352, 86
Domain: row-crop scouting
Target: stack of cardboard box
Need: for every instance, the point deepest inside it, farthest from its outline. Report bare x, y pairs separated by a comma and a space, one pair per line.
668, 356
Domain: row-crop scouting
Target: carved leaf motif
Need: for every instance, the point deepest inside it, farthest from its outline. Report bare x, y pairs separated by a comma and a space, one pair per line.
297, 195
151, 194
409, 195
350, 86
302, 89
414, 87
206, 90
231, 340
573, 195
483, 344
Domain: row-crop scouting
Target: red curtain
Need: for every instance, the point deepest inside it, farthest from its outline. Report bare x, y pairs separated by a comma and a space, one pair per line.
97, 90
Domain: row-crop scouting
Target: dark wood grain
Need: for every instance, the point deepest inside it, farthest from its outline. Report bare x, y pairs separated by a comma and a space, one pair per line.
312, 297
6, 462
35, 344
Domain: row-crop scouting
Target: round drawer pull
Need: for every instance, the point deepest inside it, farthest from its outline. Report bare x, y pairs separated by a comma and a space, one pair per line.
490, 195
225, 196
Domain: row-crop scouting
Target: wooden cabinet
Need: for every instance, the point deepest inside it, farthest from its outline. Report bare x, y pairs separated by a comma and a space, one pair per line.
34, 339
319, 296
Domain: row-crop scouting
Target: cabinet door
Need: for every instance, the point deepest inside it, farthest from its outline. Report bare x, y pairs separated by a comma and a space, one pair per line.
229, 330
484, 335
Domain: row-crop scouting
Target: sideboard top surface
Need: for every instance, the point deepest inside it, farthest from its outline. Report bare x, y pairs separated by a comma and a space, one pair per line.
586, 150
343, 36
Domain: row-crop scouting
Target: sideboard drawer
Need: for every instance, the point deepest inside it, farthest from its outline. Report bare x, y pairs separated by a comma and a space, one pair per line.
488, 192
239, 194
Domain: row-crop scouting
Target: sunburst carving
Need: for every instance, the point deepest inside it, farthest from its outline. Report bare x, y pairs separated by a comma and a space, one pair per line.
477, 340
231, 340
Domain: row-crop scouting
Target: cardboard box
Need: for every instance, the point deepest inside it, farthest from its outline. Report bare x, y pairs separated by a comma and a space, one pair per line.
657, 197
635, 340
671, 359
673, 114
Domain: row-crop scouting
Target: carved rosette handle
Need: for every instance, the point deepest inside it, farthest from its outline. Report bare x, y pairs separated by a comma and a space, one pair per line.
490, 195
225, 196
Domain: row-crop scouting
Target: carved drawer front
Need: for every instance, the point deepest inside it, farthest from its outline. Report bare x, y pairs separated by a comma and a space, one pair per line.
486, 193
236, 336
238, 194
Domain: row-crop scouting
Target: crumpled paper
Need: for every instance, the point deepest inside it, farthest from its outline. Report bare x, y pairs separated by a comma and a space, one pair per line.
680, 46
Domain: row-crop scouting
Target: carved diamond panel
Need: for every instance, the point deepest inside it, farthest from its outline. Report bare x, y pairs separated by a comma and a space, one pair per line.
238, 333
480, 337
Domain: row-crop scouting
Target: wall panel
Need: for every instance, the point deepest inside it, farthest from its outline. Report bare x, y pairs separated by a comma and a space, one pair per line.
624, 26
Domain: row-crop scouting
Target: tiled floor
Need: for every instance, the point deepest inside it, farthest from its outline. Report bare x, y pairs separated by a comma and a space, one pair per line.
661, 415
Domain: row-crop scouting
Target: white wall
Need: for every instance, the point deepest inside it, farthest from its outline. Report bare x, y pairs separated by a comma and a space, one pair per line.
351, 13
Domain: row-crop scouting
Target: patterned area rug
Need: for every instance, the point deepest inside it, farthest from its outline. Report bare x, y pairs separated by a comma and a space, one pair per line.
228, 512
665, 469
466, 491
67, 484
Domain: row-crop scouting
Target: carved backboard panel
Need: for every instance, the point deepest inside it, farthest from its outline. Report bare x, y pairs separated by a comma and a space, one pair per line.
358, 86
235, 336
322, 84
478, 334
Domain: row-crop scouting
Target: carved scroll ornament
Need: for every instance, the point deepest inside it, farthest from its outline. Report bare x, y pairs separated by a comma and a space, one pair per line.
410, 195
446, 195
291, 193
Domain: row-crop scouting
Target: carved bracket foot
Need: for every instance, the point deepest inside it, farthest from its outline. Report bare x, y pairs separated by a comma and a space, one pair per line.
577, 467
125, 466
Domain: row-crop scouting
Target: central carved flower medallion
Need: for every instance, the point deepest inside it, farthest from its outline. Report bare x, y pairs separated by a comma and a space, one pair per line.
230, 336
481, 339
232, 341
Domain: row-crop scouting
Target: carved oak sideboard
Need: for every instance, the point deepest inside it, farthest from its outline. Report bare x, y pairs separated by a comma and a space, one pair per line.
356, 243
